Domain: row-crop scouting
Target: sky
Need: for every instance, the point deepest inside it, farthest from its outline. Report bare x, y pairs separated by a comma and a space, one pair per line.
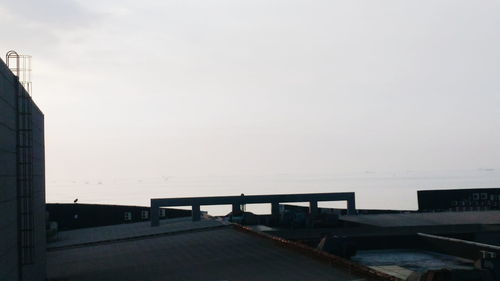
196, 87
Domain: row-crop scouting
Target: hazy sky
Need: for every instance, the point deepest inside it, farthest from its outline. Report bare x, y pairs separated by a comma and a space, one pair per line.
155, 88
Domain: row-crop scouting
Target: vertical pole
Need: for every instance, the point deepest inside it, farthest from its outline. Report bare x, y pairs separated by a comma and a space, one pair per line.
236, 209
275, 212
351, 206
155, 213
313, 208
196, 213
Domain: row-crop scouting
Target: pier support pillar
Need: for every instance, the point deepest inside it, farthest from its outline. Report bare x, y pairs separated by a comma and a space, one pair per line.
195, 212
236, 210
275, 212
313, 209
351, 206
155, 214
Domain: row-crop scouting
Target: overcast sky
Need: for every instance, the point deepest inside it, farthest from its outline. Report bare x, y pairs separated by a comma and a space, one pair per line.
155, 88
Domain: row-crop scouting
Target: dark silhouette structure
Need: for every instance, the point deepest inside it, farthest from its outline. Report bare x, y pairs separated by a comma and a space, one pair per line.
74, 216
459, 200
22, 176
237, 201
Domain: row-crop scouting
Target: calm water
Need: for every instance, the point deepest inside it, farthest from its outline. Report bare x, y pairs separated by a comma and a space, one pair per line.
414, 260
373, 190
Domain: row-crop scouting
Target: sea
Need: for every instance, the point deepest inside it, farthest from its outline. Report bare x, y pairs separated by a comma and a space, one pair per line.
374, 190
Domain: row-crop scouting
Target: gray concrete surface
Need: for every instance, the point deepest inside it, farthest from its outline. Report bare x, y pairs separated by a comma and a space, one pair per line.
420, 219
127, 231
394, 270
213, 255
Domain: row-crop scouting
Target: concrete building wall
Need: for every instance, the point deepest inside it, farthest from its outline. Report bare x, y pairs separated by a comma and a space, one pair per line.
37, 270
475, 199
10, 265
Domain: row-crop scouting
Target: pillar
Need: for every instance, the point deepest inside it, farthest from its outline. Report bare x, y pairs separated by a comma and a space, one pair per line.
195, 212
351, 206
236, 209
313, 208
155, 214
275, 212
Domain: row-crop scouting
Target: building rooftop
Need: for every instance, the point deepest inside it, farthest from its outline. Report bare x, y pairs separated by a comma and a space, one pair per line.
180, 250
421, 219
103, 234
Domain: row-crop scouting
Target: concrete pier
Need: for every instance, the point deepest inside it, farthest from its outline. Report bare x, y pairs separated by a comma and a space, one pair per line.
236, 208
237, 201
275, 211
196, 212
313, 208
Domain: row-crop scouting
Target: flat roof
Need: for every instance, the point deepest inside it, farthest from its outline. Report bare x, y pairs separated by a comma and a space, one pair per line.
210, 253
469, 189
421, 219
103, 234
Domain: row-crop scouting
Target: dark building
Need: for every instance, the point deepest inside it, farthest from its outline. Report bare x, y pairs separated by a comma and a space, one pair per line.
73, 216
477, 199
22, 178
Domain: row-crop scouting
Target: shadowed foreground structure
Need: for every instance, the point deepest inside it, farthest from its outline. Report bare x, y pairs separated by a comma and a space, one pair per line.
237, 201
208, 250
22, 177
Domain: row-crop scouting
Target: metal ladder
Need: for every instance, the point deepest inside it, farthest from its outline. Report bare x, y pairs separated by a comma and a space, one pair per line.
24, 153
